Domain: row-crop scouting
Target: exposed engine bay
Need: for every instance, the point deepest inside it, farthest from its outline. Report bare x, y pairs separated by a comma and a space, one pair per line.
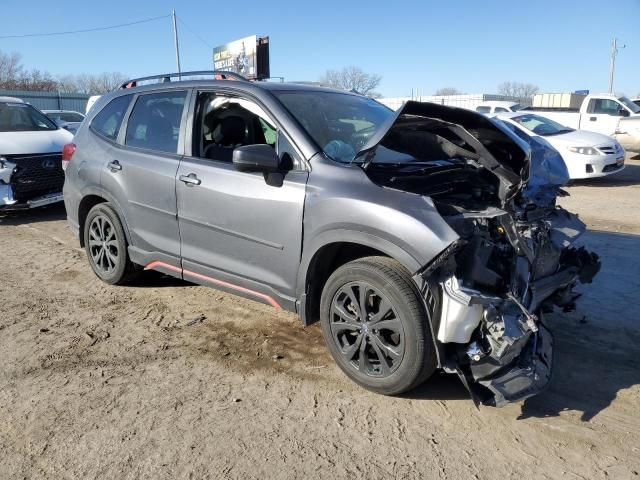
513, 261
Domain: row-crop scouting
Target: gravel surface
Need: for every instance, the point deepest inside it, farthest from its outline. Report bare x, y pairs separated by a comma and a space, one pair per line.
166, 380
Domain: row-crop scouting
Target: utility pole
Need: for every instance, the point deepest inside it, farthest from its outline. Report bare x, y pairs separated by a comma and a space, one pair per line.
612, 64
175, 41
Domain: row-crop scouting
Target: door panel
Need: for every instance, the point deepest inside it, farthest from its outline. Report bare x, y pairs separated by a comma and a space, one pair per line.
602, 116
236, 223
142, 170
145, 188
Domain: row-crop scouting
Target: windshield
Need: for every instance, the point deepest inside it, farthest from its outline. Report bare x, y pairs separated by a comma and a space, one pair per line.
340, 123
629, 104
540, 125
65, 116
516, 107
21, 117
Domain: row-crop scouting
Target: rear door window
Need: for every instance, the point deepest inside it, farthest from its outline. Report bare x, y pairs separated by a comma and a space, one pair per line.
107, 122
154, 123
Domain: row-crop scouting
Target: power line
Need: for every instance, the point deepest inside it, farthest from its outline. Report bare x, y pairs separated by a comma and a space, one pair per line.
50, 34
194, 33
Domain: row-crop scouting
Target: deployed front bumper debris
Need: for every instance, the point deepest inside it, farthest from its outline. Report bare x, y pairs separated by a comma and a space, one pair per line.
6, 192
526, 376
30, 181
494, 289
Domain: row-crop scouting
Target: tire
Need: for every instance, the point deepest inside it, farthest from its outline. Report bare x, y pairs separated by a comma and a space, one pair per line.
395, 352
103, 232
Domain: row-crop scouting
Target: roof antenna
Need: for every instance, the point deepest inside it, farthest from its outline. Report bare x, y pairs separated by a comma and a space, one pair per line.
175, 41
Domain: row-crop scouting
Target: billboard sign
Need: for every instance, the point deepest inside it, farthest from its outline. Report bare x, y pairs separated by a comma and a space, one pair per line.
242, 56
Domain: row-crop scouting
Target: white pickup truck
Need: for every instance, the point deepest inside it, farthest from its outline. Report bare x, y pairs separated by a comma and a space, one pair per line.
615, 116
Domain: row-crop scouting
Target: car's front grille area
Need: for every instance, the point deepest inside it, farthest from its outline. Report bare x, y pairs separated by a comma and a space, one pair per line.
611, 167
608, 149
36, 175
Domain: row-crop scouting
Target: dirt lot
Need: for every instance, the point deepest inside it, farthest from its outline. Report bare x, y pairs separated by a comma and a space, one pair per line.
122, 382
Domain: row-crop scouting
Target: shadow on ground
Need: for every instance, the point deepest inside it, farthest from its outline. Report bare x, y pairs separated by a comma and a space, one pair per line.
50, 213
597, 346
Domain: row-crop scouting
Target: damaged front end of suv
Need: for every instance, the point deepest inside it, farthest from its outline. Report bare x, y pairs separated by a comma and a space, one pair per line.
513, 261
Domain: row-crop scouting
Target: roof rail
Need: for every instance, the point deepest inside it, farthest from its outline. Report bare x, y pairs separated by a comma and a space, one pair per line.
218, 74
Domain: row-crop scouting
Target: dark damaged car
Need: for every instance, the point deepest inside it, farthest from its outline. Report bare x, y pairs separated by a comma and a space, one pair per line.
420, 239
30, 156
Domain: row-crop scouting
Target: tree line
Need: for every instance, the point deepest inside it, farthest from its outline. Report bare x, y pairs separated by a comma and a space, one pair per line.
353, 78
15, 76
510, 89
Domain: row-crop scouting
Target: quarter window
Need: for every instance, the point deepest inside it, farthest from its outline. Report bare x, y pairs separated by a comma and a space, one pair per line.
483, 109
107, 122
154, 123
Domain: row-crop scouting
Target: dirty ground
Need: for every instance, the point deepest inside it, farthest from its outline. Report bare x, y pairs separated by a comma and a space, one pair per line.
169, 380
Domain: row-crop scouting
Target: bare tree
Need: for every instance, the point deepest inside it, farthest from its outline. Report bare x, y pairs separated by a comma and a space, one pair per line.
92, 84
448, 91
36, 80
13, 76
10, 68
353, 78
517, 89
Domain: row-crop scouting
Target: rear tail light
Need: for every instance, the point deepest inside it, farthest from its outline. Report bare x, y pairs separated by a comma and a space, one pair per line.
67, 152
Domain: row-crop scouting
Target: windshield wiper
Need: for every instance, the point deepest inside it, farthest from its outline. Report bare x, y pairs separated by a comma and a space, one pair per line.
564, 130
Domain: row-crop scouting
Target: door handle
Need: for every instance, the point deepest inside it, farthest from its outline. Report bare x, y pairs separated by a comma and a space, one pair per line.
190, 180
114, 166
593, 119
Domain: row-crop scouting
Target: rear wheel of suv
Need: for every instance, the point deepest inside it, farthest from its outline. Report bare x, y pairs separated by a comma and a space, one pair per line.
106, 246
375, 325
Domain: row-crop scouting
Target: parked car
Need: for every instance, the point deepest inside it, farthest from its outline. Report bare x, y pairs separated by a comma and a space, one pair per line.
30, 156
67, 119
498, 106
604, 113
586, 154
420, 239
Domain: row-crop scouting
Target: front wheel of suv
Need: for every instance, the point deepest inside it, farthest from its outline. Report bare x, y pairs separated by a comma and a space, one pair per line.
375, 325
106, 246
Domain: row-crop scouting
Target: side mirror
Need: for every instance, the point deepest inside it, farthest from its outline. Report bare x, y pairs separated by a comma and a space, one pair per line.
623, 112
256, 158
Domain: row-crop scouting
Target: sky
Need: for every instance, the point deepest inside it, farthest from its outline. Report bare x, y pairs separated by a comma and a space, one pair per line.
423, 45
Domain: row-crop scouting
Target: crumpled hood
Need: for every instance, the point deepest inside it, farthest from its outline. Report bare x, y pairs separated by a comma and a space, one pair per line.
48, 141
532, 168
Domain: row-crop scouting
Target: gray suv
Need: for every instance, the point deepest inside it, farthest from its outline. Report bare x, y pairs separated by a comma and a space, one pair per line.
420, 239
